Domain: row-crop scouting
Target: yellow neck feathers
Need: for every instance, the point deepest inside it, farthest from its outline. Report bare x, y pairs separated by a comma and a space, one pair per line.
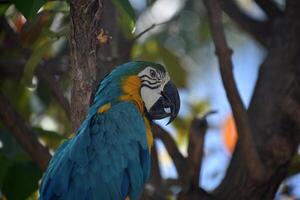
131, 86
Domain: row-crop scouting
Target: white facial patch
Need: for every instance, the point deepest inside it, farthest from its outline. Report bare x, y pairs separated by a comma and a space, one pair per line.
153, 82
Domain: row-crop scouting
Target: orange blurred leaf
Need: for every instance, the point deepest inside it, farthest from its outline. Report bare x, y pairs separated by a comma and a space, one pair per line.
229, 133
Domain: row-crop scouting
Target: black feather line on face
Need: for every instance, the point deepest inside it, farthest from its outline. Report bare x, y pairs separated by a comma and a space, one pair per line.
150, 87
151, 83
143, 76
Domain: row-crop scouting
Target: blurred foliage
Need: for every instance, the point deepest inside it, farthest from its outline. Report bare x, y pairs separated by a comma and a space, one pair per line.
38, 53
182, 124
37, 38
19, 176
152, 51
126, 7
28, 8
127, 18
39, 43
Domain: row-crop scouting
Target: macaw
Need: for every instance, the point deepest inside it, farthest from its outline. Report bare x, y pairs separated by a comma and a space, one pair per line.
109, 156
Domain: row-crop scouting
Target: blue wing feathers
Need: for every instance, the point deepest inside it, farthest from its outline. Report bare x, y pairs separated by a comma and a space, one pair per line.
125, 184
146, 163
107, 159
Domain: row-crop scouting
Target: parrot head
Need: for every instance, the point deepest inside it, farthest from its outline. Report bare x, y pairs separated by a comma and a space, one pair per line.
145, 83
159, 94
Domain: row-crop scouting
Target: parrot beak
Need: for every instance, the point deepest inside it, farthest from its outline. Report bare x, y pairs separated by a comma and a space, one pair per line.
167, 105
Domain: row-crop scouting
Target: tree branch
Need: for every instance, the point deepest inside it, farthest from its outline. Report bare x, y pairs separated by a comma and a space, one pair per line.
191, 189
55, 89
195, 149
269, 7
147, 30
260, 30
172, 149
155, 178
292, 108
156, 190
23, 133
254, 164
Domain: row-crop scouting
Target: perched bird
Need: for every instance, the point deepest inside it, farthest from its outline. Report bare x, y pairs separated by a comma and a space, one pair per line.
109, 157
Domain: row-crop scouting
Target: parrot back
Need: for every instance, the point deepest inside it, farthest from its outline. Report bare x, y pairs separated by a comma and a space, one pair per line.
108, 158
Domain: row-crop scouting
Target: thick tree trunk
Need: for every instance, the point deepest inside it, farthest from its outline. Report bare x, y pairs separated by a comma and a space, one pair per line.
85, 25
90, 59
274, 131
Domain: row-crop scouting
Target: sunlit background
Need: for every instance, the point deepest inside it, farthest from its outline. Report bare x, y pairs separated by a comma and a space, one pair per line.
188, 38
180, 40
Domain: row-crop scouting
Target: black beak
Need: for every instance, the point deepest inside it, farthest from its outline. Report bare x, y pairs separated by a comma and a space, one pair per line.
167, 105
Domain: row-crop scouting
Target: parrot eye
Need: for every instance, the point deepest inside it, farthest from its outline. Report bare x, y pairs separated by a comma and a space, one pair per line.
152, 73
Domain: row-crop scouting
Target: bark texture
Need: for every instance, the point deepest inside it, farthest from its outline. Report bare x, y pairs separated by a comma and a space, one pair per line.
85, 26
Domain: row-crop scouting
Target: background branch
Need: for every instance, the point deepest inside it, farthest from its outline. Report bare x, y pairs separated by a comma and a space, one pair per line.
10, 68
172, 149
260, 30
23, 133
55, 89
292, 108
195, 149
254, 164
156, 189
155, 177
147, 30
191, 189
269, 7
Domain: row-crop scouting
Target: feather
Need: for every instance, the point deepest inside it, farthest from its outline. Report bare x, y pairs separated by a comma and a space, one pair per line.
107, 159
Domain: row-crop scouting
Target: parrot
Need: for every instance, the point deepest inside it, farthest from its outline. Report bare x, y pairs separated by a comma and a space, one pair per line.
109, 157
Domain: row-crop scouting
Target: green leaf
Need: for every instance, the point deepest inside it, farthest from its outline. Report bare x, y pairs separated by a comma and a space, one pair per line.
57, 6
199, 107
34, 60
19, 96
4, 166
28, 8
55, 35
11, 148
3, 8
44, 93
126, 7
126, 19
21, 180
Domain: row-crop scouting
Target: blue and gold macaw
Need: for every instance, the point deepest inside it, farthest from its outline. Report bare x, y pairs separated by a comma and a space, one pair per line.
109, 157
